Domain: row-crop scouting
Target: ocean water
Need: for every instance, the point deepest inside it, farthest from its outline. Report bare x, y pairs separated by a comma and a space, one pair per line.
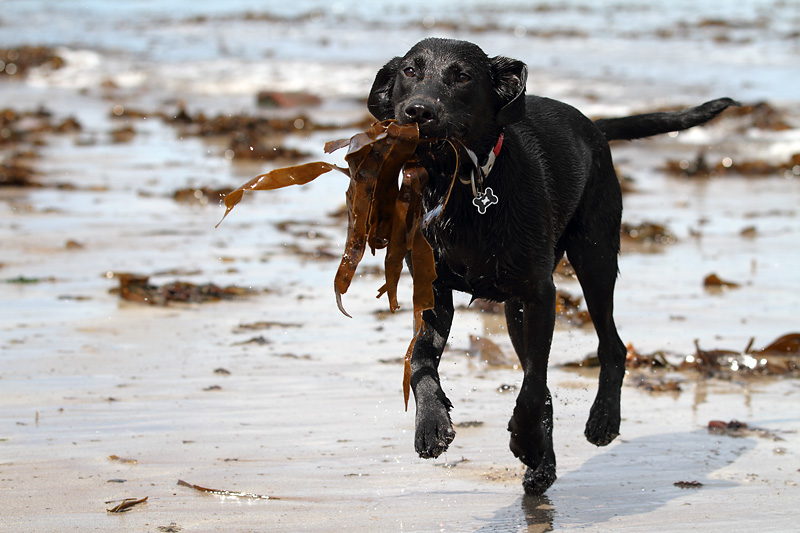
623, 50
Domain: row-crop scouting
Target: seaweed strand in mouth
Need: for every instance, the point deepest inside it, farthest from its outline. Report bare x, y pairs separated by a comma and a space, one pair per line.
277, 179
381, 212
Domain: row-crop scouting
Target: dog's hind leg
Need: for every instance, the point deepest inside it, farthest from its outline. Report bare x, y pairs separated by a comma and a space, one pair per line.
530, 326
597, 281
434, 430
592, 248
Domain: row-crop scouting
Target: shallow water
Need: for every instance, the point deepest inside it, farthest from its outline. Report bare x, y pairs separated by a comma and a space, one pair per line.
313, 416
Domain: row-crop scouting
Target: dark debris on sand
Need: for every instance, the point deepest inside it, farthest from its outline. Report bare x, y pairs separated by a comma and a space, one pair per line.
137, 288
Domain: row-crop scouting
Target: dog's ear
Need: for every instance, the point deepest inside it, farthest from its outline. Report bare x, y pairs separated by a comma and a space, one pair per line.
380, 96
509, 77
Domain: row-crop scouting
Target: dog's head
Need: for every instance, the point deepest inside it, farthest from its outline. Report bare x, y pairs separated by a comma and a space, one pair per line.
453, 90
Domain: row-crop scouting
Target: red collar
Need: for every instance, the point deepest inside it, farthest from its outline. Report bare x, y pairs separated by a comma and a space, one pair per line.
498, 146
485, 169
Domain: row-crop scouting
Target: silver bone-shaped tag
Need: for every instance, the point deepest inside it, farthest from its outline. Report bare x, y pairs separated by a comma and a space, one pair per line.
483, 200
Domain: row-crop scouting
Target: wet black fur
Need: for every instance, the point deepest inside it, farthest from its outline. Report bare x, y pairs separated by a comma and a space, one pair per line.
558, 194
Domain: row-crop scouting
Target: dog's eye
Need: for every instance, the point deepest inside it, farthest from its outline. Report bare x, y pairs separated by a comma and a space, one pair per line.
409, 72
463, 77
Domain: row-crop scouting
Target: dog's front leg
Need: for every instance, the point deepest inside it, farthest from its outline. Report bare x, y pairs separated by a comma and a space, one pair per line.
530, 325
434, 431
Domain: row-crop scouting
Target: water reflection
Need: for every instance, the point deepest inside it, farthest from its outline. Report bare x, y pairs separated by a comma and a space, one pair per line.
539, 513
532, 514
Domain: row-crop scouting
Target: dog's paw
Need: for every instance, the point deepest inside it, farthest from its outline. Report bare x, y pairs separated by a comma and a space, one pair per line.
603, 424
434, 431
538, 480
530, 444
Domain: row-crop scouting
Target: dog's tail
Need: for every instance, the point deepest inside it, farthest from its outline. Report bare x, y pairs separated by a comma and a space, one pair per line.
638, 126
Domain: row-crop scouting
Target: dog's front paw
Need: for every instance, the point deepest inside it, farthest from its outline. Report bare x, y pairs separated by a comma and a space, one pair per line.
530, 444
434, 431
538, 480
534, 447
603, 424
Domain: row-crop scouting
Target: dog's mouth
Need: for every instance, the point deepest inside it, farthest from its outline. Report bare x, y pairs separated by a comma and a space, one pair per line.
440, 127
450, 156
444, 151
433, 148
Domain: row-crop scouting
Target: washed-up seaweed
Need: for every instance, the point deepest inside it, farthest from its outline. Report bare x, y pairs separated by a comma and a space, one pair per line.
737, 429
126, 505
22, 280
201, 195
714, 283
284, 100
781, 357
646, 233
22, 132
137, 288
788, 344
568, 310
658, 385
122, 459
488, 352
227, 492
14, 173
249, 136
381, 213
255, 326
634, 359
759, 168
688, 484
28, 126
18, 61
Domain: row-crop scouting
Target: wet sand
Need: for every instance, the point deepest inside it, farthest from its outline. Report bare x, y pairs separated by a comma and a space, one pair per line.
278, 395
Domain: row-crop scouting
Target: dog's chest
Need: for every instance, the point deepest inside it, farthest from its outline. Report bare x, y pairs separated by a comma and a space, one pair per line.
472, 256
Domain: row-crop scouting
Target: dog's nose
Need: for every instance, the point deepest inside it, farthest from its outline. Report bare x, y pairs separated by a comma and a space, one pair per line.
421, 112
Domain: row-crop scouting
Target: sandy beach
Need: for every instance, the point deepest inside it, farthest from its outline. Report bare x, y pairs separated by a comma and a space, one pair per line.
242, 400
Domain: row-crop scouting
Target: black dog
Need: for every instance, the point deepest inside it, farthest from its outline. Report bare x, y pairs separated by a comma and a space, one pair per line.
543, 184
